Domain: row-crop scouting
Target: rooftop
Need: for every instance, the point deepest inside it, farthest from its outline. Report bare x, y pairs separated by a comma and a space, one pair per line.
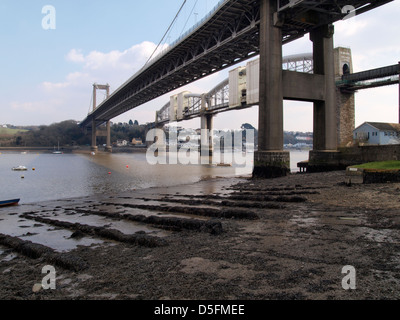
383, 126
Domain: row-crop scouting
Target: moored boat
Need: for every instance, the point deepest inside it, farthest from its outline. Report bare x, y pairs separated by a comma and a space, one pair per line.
6, 203
20, 168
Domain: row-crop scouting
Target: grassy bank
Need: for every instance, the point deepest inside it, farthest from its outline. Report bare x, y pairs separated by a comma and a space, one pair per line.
383, 165
10, 132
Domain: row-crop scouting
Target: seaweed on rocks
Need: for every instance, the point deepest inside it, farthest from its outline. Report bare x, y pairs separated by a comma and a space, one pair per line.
231, 213
111, 234
167, 223
35, 251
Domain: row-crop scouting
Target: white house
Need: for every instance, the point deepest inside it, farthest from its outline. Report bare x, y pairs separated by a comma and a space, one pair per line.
378, 133
122, 143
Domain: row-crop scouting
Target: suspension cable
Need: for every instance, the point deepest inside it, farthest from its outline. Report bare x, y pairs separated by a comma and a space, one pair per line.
190, 15
170, 26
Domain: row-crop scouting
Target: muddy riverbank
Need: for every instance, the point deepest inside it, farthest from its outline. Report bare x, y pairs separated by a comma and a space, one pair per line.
280, 239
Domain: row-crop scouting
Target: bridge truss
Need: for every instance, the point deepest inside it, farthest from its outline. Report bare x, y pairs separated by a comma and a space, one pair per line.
228, 35
217, 100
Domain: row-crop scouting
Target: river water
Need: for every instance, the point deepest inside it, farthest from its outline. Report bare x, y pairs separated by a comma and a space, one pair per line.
52, 177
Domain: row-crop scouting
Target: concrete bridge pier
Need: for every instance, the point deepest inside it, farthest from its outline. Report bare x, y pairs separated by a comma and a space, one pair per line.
108, 124
94, 147
325, 153
270, 160
108, 143
207, 141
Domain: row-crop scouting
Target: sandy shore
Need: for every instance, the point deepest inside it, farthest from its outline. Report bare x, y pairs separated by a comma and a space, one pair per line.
285, 238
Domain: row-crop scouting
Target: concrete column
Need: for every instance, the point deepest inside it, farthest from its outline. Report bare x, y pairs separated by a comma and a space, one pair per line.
325, 121
94, 96
325, 155
204, 132
94, 130
108, 145
270, 159
210, 127
206, 139
94, 135
345, 101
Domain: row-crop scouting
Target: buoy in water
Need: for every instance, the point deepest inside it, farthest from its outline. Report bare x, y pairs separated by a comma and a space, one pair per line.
109, 173
127, 167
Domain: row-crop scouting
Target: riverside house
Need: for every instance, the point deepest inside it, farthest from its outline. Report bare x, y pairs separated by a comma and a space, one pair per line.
378, 133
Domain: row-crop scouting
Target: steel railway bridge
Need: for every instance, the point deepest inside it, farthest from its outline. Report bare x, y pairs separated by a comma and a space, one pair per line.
193, 105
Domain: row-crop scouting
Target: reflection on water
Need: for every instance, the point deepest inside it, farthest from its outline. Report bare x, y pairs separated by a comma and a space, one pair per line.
51, 177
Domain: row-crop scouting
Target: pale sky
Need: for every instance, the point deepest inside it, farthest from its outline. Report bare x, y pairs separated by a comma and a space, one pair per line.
47, 75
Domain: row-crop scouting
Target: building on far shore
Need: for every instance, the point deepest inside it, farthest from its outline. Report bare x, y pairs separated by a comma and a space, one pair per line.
377, 133
122, 143
137, 142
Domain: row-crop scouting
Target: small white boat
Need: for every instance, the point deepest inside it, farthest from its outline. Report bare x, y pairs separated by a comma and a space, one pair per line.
20, 168
58, 150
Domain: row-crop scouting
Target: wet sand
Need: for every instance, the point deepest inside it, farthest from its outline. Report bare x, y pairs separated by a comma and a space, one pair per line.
280, 239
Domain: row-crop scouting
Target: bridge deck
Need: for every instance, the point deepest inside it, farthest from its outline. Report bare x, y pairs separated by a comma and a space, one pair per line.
229, 35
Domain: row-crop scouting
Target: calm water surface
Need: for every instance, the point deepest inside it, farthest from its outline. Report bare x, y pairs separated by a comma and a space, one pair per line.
51, 177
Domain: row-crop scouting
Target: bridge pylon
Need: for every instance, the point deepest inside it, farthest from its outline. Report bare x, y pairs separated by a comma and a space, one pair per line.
333, 118
207, 131
94, 147
270, 160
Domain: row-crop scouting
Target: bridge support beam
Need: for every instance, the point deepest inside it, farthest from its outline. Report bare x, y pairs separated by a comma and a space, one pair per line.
94, 147
270, 160
108, 143
207, 141
325, 124
325, 154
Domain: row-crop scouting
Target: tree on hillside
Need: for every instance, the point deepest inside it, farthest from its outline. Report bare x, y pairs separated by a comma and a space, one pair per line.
66, 133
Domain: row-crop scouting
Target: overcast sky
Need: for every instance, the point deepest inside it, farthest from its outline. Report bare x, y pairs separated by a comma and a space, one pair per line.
47, 75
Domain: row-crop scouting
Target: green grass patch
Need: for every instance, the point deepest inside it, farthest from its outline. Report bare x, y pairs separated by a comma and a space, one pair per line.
10, 132
384, 165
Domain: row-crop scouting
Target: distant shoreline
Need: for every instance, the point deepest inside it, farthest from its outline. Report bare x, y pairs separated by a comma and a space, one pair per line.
69, 149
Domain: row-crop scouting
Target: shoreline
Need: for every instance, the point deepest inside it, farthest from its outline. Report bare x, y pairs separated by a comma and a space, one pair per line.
281, 239
70, 149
